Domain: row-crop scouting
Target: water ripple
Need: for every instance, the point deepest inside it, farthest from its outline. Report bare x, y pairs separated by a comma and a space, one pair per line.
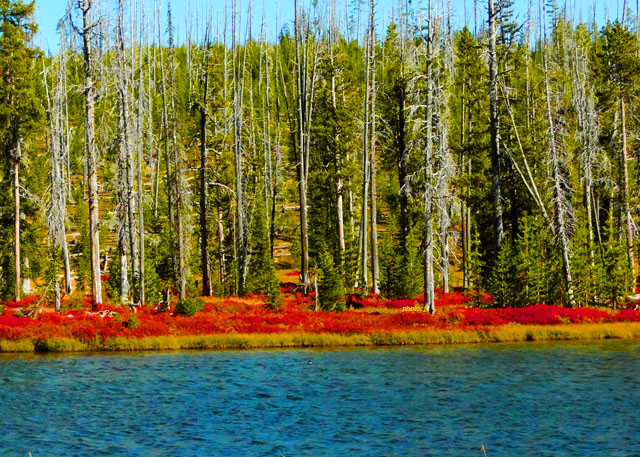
537, 399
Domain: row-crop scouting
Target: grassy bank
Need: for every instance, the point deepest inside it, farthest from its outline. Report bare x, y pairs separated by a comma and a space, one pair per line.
504, 333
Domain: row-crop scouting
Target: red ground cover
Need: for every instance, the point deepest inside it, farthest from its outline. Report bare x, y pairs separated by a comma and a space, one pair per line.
249, 315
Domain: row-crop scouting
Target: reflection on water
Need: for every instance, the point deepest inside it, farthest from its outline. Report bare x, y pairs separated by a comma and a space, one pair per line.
556, 399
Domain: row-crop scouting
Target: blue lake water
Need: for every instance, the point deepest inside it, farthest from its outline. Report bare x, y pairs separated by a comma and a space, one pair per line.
531, 399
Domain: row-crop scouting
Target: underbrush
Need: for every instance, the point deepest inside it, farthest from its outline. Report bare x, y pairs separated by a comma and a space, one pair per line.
216, 322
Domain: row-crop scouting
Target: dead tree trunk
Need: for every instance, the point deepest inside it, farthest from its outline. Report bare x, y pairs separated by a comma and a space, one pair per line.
242, 241
446, 166
178, 178
375, 271
305, 93
126, 205
495, 130
140, 172
58, 145
464, 202
91, 153
561, 202
204, 227
429, 289
339, 181
588, 133
624, 191
364, 227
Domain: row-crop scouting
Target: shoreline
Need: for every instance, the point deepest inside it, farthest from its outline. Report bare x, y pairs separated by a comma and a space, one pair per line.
496, 334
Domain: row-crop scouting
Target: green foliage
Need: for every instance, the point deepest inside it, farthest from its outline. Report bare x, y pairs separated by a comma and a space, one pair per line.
615, 61
601, 273
539, 269
21, 115
615, 276
112, 285
330, 286
189, 306
274, 296
80, 246
476, 270
527, 270
584, 268
504, 284
152, 283
350, 264
133, 322
261, 277
400, 267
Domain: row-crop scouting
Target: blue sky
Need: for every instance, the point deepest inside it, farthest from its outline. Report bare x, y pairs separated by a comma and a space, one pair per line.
279, 12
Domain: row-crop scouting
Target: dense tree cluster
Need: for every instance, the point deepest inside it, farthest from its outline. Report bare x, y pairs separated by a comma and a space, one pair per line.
425, 157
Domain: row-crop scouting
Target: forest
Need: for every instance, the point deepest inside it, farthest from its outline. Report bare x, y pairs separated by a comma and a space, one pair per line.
400, 159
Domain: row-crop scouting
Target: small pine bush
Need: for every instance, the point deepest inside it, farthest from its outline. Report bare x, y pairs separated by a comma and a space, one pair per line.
505, 285
615, 276
476, 269
330, 287
274, 295
261, 277
133, 322
401, 267
189, 306
584, 267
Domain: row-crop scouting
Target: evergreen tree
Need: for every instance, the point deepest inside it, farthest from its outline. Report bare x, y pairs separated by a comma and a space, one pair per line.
505, 285
20, 115
616, 67
615, 276
261, 276
330, 286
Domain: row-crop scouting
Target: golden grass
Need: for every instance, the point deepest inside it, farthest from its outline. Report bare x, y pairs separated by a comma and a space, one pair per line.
23, 345
505, 333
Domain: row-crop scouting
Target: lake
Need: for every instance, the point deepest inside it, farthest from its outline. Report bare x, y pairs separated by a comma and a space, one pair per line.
556, 399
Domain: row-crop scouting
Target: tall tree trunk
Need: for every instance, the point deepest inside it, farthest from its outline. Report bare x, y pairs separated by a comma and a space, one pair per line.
204, 227
494, 130
624, 191
561, 204
140, 172
167, 158
221, 254
366, 175
463, 200
429, 288
58, 145
243, 254
91, 155
126, 197
340, 181
124, 274
178, 178
375, 272
402, 169
304, 105
16, 196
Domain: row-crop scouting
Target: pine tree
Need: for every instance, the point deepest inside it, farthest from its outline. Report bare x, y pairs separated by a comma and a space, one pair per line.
615, 276
330, 287
538, 268
400, 266
505, 285
261, 275
476, 273
20, 114
584, 267
616, 66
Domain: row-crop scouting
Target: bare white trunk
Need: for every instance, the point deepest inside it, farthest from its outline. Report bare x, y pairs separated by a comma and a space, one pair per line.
91, 154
